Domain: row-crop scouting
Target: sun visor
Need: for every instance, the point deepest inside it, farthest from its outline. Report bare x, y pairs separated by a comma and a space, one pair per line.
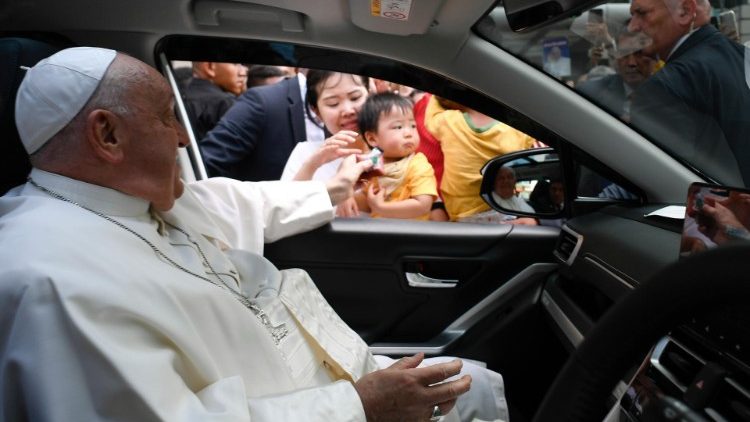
395, 17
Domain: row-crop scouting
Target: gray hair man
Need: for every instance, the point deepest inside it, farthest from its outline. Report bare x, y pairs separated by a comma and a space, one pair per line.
696, 106
150, 299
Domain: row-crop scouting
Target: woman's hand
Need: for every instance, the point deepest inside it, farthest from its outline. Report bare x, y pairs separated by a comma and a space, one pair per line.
334, 147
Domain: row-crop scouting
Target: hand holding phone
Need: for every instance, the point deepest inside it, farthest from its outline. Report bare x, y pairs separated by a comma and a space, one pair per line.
728, 25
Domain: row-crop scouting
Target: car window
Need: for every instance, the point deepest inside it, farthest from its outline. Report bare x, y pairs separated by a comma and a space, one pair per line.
688, 95
459, 130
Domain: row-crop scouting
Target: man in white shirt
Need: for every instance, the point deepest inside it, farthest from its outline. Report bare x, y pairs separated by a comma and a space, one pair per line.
130, 296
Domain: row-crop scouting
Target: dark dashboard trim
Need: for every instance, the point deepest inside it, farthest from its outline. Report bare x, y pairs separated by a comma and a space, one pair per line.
569, 329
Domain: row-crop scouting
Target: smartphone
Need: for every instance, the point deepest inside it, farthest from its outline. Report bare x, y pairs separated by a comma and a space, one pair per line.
728, 23
596, 16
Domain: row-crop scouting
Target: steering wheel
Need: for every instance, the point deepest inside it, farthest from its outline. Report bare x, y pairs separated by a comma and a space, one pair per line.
628, 330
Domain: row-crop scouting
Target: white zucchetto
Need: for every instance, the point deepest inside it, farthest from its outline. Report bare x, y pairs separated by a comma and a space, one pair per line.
55, 90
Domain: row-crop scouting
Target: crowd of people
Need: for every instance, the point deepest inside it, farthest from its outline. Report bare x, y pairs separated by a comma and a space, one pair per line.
301, 126
679, 78
298, 124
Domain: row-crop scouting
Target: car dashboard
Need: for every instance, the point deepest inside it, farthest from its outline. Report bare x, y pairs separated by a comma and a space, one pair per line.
705, 362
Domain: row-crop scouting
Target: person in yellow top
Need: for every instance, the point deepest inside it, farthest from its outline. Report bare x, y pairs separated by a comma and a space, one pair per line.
468, 139
407, 187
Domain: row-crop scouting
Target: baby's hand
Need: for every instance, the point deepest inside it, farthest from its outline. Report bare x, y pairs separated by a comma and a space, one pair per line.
375, 198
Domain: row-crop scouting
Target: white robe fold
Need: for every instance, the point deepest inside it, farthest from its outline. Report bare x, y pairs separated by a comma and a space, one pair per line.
97, 325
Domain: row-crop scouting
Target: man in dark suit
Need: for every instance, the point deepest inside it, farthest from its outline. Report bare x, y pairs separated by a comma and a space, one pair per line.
255, 137
212, 91
697, 106
613, 92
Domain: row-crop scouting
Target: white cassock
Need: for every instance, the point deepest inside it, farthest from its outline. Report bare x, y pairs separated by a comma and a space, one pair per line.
99, 323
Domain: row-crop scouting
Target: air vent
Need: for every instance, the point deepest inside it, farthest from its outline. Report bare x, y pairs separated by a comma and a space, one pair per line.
732, 403
676, 363
568, 245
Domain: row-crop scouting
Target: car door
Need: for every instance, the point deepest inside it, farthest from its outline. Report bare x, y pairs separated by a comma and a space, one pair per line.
406, 286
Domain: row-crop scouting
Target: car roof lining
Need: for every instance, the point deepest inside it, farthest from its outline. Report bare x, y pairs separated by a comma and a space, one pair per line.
137, 26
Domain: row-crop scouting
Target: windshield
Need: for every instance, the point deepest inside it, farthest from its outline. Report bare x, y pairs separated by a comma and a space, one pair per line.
677, 71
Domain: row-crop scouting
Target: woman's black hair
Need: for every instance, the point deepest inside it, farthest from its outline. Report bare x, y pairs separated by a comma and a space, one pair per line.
315, 80
377, 105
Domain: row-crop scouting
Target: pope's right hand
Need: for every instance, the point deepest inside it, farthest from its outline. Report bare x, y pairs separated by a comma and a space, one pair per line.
403, 392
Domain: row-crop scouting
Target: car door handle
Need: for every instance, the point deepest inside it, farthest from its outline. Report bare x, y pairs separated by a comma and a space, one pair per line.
423, 282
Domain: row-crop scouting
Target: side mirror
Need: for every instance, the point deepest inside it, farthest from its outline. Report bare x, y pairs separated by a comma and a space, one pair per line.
525, 183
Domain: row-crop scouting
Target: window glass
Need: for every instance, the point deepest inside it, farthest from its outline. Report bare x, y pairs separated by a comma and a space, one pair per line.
299, 125
677, 71
591, 184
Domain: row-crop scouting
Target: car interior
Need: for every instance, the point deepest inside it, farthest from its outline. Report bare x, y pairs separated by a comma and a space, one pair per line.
598, 318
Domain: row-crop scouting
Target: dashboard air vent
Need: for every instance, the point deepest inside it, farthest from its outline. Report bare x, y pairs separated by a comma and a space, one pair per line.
732, 403
568, 245
675, 362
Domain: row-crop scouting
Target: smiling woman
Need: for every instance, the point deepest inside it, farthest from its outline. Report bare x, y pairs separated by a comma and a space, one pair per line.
336, 99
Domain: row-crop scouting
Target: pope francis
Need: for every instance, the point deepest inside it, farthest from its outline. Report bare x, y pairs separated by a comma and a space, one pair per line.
127, 295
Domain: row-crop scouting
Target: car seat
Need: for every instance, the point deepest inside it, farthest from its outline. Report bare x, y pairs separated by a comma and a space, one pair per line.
15, 53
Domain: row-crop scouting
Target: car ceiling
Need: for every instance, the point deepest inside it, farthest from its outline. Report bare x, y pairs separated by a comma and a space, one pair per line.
324, 23
136, 26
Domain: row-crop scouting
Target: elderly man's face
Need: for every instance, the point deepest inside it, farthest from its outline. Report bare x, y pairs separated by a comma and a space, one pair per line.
664, 25
153, 136
505, 183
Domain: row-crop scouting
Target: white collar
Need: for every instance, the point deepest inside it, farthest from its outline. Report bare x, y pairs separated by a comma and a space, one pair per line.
680, 41
98, 198
302, 80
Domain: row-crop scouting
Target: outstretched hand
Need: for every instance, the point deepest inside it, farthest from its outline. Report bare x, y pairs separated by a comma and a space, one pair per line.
338, 145
341, 186
403, 392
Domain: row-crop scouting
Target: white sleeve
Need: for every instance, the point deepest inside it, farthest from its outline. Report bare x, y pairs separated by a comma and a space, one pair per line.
251, 213
524, 206
336, 402
294, 162
55, 366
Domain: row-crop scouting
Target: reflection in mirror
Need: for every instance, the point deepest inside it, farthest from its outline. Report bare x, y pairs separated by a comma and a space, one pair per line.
526, 184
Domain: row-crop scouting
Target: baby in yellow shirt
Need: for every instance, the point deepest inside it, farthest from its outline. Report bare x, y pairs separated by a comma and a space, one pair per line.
408, 186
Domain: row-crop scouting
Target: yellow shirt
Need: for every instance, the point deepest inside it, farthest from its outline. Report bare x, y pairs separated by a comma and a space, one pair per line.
418, 180
466, 150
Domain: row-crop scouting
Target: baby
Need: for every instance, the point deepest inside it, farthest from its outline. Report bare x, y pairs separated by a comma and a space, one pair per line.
407, 187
